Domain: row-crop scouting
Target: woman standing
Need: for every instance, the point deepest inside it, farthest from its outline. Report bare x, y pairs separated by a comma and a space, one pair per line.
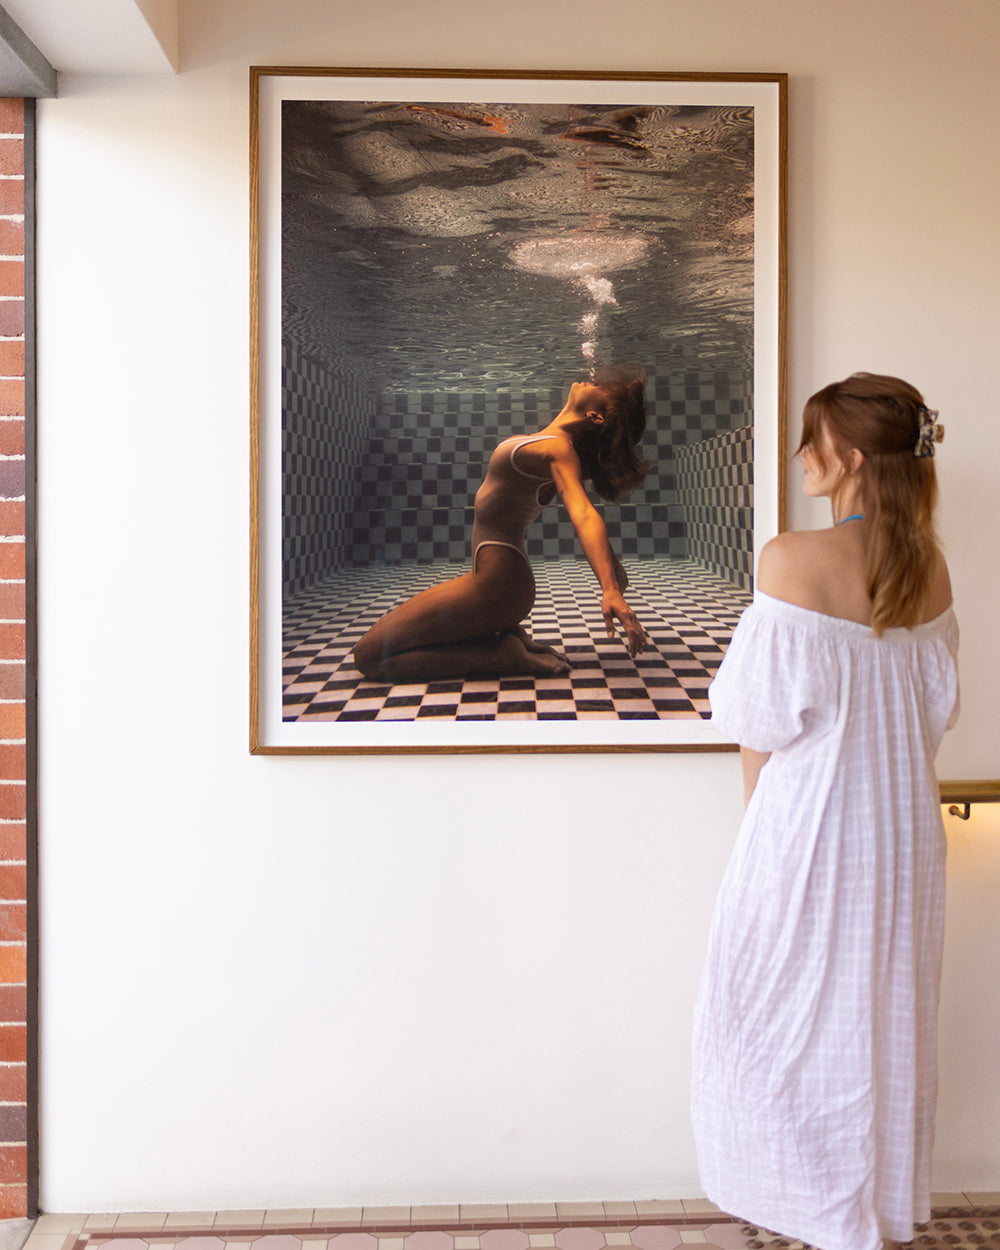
470, 626
815, 1030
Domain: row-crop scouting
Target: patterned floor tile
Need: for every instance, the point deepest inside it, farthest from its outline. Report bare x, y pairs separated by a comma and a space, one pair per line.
958, 1227
688, 612
948, 1229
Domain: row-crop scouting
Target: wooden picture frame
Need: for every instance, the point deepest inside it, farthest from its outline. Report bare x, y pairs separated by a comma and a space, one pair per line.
436, 256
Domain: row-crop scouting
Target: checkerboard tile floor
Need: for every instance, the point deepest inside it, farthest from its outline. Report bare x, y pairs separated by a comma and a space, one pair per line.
688, 612
959, 1222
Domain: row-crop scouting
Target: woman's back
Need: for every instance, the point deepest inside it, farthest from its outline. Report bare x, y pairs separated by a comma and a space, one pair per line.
827, 571
814, 1034
815, 1028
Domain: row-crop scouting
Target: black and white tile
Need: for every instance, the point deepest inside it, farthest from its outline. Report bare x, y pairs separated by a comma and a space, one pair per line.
688, 612
325, 429
715, 486
429, 450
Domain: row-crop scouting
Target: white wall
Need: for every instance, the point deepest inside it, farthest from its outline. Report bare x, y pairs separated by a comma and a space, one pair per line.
297, 982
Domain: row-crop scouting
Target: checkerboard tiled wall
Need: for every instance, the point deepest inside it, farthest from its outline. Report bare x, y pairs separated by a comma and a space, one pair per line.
429, 452
393, 479
326, 427
715, 484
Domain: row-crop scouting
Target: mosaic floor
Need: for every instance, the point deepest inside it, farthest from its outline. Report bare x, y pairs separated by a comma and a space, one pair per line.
688, 612
959, 1220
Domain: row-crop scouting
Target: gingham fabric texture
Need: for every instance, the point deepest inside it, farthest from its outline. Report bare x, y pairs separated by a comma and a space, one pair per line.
814, 1073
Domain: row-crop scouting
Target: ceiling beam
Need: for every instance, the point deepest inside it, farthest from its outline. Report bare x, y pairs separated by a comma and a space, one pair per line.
24, 71
102, 36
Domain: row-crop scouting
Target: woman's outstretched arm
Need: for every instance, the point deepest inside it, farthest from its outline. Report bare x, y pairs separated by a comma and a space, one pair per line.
621, 577
593, 536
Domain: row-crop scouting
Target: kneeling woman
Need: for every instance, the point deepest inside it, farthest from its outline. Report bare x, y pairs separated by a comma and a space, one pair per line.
470, 626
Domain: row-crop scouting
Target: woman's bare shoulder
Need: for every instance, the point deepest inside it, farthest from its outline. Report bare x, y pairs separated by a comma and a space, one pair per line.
554, 455
788, 562
824, 570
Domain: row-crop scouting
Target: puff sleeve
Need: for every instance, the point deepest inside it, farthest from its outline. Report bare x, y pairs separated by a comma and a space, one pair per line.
776, 683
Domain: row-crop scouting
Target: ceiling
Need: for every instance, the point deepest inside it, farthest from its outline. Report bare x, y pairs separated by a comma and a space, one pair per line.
42, 38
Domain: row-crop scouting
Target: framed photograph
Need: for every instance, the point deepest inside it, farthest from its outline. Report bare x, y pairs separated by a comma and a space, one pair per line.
470, 289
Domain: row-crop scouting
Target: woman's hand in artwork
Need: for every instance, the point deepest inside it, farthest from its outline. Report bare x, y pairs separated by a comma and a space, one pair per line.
613, 605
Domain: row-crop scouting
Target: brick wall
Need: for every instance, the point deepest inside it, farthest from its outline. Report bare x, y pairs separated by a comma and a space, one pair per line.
14, 1199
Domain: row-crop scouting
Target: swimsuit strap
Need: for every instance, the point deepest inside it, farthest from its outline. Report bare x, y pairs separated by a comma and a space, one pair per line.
523, 441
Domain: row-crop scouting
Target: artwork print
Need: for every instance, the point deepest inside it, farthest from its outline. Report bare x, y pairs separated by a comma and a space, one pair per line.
440, 259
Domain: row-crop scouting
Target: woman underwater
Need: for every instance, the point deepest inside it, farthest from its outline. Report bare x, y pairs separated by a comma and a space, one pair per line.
470, 626
815, 1032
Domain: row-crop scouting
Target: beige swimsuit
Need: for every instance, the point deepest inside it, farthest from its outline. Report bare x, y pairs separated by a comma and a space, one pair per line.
509, 499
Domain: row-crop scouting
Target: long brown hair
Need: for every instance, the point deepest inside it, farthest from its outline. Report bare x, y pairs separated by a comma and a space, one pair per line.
881, 416
607, 452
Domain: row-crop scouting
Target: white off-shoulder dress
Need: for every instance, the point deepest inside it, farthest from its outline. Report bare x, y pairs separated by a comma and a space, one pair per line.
815, 1076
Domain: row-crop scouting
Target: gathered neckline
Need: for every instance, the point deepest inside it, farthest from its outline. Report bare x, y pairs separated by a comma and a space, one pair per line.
900, 631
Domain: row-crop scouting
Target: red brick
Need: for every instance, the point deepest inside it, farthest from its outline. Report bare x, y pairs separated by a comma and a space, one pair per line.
12, 517
14, 1081
13, 1164
11, 437
11, 238
13, 881
12, 842
11, 560
13, 925
13, 1124
13, 482
12, 357
11, 274
13, 1049
13, 1010
12, 604
12, 721
12, 641
11, 313
13, 806
11, 196
13, 965
11, 156
13, 685
11, 389
13, 1202
13, 761
11, 116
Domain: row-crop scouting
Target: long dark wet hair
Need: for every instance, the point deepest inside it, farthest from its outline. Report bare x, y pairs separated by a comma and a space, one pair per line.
608, 452
881, 416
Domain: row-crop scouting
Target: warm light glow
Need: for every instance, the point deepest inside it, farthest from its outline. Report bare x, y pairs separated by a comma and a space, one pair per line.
579, 256
583, 259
